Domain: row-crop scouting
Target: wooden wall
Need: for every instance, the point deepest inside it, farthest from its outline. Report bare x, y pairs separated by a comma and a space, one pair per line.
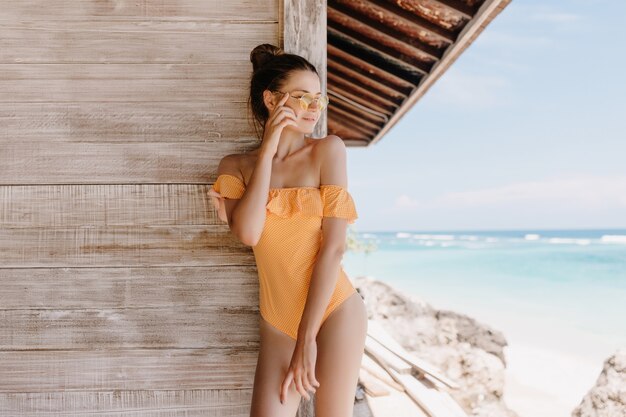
121, 293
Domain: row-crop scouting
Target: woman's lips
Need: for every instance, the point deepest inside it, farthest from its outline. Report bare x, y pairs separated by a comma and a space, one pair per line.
308, 120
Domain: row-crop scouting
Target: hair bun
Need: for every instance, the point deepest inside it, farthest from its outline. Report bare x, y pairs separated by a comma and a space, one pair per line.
264, 53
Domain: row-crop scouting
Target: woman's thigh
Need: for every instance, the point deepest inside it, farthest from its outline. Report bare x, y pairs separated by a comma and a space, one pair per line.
272, 364
340, 346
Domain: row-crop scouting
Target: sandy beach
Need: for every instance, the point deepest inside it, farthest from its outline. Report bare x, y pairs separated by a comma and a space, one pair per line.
546, 383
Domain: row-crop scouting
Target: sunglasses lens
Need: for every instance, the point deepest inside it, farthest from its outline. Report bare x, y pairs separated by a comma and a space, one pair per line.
306, 100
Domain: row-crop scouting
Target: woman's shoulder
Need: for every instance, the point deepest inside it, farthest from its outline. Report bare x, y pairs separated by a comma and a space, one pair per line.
329, 146
231, 165
330, 151
240, 165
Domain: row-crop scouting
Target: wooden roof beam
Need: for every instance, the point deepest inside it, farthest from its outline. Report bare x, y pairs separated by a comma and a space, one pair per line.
369, 133
357, 78
458, 7
349, 136
355, 88
392, 81
386, 110
337, 40
388, 53
376, 119
353, 117
418, 21
428, 50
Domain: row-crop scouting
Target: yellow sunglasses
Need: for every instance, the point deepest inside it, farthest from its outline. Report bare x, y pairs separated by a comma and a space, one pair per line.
307, 99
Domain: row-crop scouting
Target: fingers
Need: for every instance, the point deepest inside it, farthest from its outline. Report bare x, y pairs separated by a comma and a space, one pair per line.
310, 381
302, 383
285, 116
285, 386
313, 380
299, 388
276, 112
307, 385
283, 100
306, 381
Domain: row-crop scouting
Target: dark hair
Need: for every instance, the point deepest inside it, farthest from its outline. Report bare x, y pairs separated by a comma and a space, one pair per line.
271, 67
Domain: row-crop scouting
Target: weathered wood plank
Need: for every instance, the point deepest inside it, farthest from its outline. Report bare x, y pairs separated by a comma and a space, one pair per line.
177, 327
127, 403
122, 246
127, 369
42, 206
118, 122
171, 9
125, 83
115, 288
122, 163
377, 332
136, 42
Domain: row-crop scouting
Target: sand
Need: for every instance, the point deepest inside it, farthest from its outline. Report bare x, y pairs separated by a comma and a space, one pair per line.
546, 383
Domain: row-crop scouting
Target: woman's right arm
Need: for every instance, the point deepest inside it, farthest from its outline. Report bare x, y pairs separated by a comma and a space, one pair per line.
246, 215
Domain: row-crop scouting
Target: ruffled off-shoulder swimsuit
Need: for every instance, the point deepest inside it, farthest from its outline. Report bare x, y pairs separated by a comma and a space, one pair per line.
287, 250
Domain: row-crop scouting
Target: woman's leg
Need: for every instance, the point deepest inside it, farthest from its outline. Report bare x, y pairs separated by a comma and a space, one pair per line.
340, 347
272, 364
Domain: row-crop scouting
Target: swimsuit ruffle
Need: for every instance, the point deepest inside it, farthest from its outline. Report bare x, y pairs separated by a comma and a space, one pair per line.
327, 201
288, 202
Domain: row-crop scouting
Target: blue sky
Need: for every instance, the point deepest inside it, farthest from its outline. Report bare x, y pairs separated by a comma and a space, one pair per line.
526, 130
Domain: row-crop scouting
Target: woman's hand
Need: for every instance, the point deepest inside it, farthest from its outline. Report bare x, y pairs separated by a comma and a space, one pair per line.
279, 117
301, 370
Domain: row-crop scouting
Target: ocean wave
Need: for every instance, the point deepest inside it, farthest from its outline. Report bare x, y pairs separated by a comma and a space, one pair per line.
613, 239
469, 237
434, 237
563, 240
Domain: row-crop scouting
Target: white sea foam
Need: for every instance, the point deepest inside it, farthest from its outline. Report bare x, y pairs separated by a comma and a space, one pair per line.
403, 235
434, 237
614, 239
570, 241
531, 236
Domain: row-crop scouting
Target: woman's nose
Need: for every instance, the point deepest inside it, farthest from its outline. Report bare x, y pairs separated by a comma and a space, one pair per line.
314, 104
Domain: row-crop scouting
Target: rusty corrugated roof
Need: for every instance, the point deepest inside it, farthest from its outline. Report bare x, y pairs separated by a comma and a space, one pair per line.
384, 55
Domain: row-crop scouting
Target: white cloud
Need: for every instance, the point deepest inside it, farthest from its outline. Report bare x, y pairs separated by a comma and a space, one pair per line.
403, 201
475, 91
581, 192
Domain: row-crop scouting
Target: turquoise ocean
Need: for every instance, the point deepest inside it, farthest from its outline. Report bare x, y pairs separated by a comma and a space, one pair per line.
562, 290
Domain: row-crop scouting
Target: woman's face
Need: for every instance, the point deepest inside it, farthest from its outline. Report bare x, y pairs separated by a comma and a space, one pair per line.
298, 84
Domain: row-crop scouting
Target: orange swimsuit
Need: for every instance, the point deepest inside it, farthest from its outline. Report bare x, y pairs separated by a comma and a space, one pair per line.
287, 250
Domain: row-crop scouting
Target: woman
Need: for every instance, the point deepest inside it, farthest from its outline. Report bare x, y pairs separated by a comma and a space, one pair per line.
288, 199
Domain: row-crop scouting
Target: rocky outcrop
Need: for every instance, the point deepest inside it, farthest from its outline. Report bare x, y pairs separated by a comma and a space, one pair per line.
608, 397
469, 352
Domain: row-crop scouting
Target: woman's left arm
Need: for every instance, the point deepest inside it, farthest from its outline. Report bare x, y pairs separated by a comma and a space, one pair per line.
324, 275
326, 269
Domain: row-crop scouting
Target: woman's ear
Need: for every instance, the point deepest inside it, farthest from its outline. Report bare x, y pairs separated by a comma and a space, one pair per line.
268, 99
